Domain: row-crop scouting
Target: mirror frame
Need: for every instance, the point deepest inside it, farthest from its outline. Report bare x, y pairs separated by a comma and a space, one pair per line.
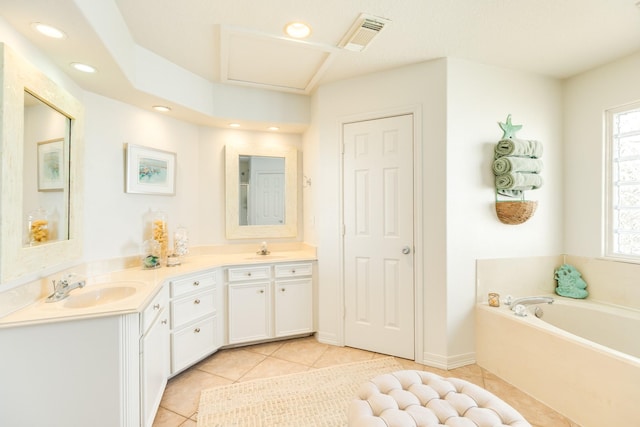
232, 185
17, 260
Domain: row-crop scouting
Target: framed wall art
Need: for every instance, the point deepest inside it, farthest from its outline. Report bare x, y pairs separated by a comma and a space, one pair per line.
150, 171
51, 165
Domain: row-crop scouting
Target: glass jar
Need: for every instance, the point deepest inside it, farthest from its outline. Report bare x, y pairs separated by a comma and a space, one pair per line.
181, 241
38, 227
150, 254
157, 230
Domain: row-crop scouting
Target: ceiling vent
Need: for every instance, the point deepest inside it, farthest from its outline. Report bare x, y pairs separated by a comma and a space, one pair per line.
362, 32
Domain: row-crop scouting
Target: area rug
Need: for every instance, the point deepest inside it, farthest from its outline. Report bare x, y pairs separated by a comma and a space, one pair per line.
315, 398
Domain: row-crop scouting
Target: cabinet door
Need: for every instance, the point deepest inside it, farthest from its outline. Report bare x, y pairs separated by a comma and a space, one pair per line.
293, 307
193, 342
249, 312
154, 369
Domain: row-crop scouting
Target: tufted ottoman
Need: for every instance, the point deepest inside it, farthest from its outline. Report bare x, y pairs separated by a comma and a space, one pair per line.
422, 399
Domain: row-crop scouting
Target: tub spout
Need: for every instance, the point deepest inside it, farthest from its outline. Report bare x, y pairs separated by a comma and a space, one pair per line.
530, 300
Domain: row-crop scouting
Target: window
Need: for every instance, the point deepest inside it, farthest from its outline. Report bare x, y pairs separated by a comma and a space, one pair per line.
623, 182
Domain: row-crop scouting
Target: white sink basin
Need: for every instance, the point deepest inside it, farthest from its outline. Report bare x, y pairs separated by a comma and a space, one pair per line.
104, 294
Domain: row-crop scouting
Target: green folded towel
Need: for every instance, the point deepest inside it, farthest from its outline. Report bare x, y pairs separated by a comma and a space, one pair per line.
519, 147
518, 181
508, 164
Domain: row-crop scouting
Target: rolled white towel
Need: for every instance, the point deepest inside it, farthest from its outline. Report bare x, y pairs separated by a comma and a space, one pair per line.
518, 181
519, 147
508, 164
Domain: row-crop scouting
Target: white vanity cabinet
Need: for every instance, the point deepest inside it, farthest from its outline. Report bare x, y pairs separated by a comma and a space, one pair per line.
293, 299
107, 371
269, 301
154, 355
195, 318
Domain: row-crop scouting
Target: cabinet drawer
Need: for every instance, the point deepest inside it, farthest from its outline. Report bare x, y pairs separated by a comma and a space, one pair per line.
192, 343
193, 283
155, 307
192, 307
293, 270
249, 273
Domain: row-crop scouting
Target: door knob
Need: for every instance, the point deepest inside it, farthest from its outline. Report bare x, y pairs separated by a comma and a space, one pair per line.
406, 250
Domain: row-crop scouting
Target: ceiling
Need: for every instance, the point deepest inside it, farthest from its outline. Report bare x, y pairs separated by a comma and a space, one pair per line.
241, 42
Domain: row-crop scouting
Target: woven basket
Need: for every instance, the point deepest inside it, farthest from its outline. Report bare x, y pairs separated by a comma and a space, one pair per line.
515, 212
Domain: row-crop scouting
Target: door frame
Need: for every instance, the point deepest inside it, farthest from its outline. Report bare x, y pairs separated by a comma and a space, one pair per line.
418, 272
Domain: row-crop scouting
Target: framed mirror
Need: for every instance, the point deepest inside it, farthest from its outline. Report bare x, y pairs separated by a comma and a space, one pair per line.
41, 139
261, 192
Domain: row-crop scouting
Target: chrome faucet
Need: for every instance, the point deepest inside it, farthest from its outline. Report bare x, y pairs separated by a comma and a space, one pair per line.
62, 287
263, 249
530, 300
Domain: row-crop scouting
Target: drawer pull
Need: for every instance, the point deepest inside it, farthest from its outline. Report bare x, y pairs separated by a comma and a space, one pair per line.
196, 283
156, 306
249, 274
164, 321
196, 331
196, 301
293, 271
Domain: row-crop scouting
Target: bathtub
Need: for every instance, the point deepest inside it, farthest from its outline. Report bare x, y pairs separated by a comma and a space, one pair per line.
580, 358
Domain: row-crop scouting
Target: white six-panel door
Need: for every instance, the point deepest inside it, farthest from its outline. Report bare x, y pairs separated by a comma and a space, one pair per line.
378, 235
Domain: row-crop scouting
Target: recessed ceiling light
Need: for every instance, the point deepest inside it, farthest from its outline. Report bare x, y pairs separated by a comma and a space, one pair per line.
83, 67
162, 108
234, 125
298, 30
48, 30
274, 128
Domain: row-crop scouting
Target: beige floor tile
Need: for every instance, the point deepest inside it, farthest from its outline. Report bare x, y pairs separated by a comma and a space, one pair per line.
182, 394
231, 364
411, 365
272, 367
339, 355
180, 401
472, 373
538, 414
166, 418
304, 351
267, 348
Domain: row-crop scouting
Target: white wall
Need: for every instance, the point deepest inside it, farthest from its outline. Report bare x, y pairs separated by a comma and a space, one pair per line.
586, 97
461, 103
114, 220
478, 97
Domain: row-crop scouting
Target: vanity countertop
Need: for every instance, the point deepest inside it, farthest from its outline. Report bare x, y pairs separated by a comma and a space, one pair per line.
146, 283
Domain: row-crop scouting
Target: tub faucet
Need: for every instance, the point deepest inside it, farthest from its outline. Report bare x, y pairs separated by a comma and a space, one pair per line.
62, 287
530, 300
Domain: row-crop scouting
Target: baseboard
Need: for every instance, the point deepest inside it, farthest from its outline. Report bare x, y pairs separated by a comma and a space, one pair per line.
448, 362
327, 338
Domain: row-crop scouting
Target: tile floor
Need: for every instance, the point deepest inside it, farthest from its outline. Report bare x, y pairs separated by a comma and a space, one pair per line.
180, 401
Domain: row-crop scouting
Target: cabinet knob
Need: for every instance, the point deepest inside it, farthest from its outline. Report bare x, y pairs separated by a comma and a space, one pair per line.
156, 306
196, 283
282, 289
196, 331
197, 301
293, 271
249, 274
164, 321
261, 291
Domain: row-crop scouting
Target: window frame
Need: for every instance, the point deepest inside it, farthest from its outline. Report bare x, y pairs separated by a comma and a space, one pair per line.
610, 232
